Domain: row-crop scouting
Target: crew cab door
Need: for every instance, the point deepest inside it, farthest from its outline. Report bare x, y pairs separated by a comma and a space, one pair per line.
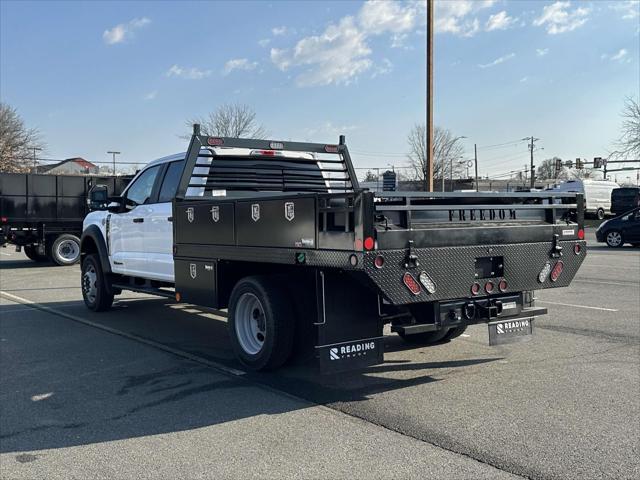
126, 229
158, 230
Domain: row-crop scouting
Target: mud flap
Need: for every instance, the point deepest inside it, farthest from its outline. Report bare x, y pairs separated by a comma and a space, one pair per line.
510, 331
349, 326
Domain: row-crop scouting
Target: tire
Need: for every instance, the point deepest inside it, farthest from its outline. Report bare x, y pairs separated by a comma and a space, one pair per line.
614, 238
31, 251
94, 288
65, 250
600, 214
454, 333
426, 338
261, 323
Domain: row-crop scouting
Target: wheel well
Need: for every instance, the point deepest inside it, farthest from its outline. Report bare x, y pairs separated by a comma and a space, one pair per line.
88, 246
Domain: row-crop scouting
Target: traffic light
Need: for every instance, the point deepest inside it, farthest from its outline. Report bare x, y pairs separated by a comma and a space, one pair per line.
579, 163
597, 162
558, 164
568, 164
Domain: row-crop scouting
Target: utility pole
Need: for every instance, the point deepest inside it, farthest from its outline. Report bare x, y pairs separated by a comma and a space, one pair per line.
532, 167
35, 161
475, 161
428, 174
114, 159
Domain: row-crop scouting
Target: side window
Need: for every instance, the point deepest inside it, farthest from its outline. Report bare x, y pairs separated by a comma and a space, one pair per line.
140, 190
170, 182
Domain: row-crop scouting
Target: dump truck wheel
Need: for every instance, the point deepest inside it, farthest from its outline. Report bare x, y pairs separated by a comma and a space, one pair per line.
261, 323
95, 290
65, 250
31, 251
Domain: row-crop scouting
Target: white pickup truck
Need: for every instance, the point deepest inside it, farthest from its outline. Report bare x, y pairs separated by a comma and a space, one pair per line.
282, 235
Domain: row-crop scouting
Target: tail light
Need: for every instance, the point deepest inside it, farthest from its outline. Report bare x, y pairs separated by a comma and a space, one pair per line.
267, 153
489, 287
557, 270
502, 286
411, 283
475, 288
4, 219
544, 273
378, 262
426, 281
369, 243
581, 234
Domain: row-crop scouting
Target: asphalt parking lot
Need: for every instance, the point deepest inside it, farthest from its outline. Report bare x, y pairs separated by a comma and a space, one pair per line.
150, 390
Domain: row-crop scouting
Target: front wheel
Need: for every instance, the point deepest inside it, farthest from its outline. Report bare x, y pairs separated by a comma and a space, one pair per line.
95, 293
65, 250
614, 239
261, 323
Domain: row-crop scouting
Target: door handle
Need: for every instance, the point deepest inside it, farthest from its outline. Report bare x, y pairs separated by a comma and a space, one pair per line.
138, 220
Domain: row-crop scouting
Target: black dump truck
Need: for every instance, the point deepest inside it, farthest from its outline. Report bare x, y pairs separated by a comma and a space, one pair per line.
43, 214
304, 259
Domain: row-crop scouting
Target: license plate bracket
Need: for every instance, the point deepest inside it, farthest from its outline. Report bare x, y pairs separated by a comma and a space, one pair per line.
510, 331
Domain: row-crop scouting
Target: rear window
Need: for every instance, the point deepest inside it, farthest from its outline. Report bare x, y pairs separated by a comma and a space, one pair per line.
625, 193
170, 182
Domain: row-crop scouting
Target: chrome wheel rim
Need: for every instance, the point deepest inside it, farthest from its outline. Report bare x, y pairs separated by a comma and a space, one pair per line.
68, 250
89, 280
614, 239
250, 323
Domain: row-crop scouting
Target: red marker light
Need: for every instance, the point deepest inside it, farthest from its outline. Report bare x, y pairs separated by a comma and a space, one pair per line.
215, 141
369, 243
503, 285
331, 148
378, 261
488, 287
475, 288
4, 219
557, 270
581, 234
411, 283
577, 249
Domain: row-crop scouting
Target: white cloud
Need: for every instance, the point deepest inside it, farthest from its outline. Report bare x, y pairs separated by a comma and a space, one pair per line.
151, 95
560, 18
124, 31
458, 16
264, 42
630, 9
621, 56
238, 64
383, 68
382, 16
337, 56
524, 79
192, 73
278, 31
498, 61
541, 52
499, 21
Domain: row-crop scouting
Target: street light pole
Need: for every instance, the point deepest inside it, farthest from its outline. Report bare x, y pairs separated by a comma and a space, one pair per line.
35, 162
428, 174
475, 156
114, 159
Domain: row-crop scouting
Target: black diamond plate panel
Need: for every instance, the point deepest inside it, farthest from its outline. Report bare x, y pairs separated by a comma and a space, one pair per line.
453, 269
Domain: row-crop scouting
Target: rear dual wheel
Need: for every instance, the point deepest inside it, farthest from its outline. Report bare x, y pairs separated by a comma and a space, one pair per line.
31, 251
431, 338
261, 323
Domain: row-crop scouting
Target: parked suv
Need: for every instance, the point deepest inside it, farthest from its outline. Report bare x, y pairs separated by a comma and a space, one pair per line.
620, 230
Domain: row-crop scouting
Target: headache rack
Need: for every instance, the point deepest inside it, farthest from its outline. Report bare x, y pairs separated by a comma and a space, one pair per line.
209, 171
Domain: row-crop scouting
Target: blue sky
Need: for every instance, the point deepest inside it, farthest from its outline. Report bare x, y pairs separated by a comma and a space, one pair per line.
97, 76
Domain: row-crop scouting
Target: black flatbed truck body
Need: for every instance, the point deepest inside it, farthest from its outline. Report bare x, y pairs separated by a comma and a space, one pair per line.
324, 236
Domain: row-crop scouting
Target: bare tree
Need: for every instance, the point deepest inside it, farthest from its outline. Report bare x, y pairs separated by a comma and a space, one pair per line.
628, 144
17, 142
547, 170
447, 152
230, 120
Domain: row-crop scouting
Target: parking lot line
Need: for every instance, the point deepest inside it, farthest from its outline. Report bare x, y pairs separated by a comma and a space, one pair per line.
579, 306
151, 343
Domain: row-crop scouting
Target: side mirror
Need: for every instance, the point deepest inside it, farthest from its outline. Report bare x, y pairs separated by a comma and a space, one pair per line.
115, 205
98, 198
